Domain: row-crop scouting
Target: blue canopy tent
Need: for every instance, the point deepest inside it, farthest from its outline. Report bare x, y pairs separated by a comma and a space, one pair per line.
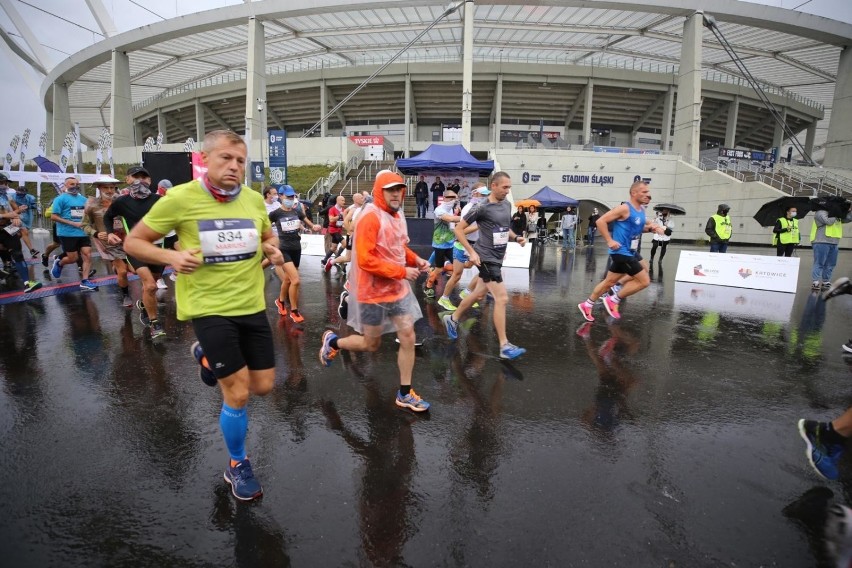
445, 158
552, 200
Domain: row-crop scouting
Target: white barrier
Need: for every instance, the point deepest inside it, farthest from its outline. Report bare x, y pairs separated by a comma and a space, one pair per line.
756, 272
760, 304
313, 245
515, 279
518, 256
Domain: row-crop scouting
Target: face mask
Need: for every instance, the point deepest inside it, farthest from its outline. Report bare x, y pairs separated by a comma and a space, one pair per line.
288, 203
73, 190
139, 190
792, 215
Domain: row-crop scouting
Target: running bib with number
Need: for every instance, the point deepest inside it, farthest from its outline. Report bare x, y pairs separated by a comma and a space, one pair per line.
227, 240
501, 237
634, 244
77, 213
290, 225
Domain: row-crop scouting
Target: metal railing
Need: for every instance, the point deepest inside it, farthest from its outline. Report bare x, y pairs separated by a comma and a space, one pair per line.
324, 184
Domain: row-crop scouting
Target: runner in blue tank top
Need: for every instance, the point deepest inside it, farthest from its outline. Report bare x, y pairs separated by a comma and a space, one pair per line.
628, 220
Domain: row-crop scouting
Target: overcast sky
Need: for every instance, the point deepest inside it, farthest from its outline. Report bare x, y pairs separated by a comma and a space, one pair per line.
66, 26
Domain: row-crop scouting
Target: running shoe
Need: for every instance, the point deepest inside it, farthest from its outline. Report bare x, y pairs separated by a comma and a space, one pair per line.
296, 316
88, 286
328, 264
445, 303
611, 306
56, 269
586, 310
615, 289
204, 370
156, 329
327, 353
839, 287
848, 346
343, 306
161, 284
510, 351
31, 286
126, 301
143, 313
44, 260
282, 309
822, 456
34, 254
464, 293
451, 326
92, 272
815, 285
826, 285
411, 401
428, 292
173, 276
244, 485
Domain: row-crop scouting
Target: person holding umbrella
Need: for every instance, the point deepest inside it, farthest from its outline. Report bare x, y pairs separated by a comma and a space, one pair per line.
786, 233
664, 219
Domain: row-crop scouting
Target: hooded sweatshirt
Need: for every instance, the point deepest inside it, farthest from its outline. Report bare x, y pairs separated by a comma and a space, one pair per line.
381, 252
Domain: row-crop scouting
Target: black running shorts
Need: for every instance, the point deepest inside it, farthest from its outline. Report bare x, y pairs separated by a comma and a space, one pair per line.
73, 244
294, 256
622, 264
233, 342
491, 272
156, 269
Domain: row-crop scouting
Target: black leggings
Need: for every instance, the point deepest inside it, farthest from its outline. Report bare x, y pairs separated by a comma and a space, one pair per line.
662, 245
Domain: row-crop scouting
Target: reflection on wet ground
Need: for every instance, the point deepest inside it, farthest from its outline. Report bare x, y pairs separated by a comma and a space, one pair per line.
667, 438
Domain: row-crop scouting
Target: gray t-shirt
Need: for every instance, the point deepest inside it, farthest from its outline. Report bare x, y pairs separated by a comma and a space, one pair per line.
493, 221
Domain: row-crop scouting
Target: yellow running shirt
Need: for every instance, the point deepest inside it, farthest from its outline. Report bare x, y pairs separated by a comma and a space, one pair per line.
230, 281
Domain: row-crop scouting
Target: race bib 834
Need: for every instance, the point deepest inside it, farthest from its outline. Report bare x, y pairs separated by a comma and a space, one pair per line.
227, 240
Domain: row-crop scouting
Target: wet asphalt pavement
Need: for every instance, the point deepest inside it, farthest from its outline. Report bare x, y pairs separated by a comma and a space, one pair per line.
666, 439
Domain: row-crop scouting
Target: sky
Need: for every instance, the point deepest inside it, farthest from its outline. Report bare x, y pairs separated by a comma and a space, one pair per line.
64, 27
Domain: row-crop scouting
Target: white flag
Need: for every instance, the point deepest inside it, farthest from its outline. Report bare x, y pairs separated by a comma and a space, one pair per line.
23, 153
11, 153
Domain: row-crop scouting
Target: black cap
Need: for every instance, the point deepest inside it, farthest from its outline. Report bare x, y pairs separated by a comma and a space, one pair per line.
724, 207
3, 177
137, 170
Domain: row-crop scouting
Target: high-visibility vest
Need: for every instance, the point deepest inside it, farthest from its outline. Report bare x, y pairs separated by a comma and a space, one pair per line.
834, 231
723, 226
791, 236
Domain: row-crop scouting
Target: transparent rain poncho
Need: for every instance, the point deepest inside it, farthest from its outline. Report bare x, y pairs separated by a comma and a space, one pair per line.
378, 304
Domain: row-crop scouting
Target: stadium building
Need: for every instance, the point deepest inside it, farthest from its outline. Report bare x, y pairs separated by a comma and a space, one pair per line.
580, 96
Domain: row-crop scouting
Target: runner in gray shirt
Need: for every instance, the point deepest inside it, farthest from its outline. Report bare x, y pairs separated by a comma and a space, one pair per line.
492, 218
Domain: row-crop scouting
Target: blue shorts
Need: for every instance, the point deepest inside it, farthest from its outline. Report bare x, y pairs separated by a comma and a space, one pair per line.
460, 255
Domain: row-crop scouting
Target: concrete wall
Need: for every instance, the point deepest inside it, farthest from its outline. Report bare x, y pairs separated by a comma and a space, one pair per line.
672, 181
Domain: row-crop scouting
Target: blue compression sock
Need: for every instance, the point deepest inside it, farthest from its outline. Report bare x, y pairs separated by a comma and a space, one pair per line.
234, 424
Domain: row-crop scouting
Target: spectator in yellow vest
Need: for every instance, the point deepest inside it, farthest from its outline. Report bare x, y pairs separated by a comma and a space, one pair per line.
719, 229
826, 233
786, 233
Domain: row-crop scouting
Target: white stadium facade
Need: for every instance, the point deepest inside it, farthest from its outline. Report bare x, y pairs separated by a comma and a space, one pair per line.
578, 95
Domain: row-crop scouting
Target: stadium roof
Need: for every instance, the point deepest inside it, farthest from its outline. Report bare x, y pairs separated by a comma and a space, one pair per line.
786, 50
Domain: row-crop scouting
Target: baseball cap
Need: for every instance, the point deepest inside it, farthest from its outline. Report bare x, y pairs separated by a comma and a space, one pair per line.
387, 179
104, 180
165, 184
482, 190
286, 190
4, 177
137, 170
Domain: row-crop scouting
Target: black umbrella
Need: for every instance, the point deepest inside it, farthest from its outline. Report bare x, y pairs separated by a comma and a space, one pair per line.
673, 209
777, 208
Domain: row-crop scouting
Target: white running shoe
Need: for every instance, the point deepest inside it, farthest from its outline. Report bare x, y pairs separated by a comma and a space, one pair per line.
161, 284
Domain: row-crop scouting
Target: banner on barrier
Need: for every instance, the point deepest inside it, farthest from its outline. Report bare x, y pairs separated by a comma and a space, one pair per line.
757, 272
313, 245
741, 302
518, 256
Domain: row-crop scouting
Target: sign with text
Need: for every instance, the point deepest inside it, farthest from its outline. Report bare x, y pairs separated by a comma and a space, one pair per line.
278, 157
257, 172
757, 272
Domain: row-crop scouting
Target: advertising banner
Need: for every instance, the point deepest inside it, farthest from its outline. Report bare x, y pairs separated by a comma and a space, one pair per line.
757, 272
278, 157
518, 256
257, 172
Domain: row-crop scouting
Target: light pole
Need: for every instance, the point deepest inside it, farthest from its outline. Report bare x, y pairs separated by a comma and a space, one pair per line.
261, 107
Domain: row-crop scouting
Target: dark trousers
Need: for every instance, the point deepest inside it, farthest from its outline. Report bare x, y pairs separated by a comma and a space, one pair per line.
662, 245
422, 207
718, 246
785, 249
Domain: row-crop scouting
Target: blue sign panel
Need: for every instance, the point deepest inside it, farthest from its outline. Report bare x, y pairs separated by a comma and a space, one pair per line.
257, 172
278, 157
